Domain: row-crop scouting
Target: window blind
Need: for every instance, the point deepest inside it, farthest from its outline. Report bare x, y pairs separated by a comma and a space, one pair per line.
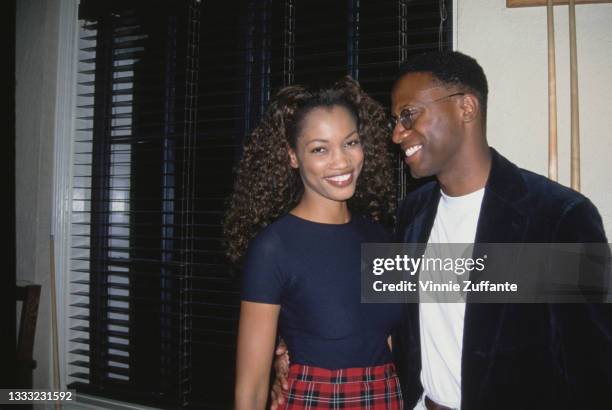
167, 92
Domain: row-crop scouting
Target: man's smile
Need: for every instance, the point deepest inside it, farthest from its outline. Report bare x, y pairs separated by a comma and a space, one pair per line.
413, 149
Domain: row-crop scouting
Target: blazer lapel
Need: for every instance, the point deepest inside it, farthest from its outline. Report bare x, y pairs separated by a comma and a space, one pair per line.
500, 221
419, 228
417, 231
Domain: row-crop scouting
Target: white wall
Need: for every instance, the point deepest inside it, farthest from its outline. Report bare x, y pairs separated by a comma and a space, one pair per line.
511, 45
37, 24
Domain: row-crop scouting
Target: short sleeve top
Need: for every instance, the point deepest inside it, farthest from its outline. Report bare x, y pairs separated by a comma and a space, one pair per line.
312, 270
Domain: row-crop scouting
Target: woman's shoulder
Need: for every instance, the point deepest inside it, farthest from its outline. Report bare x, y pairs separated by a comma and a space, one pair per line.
373, 230
271, 235
286, 229
266, 250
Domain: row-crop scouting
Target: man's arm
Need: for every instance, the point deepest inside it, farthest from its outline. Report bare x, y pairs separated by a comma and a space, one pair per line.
281, 370
585, 330
580, 223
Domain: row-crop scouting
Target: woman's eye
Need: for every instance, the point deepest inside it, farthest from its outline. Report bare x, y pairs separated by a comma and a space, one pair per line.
353, 143
318, 150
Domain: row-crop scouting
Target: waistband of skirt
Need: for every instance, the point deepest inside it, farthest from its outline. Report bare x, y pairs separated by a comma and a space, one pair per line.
349, 375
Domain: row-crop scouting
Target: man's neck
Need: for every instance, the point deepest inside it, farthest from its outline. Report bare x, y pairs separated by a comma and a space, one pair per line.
471, 176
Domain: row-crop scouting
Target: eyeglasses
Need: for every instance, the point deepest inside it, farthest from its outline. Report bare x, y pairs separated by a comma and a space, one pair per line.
406, 117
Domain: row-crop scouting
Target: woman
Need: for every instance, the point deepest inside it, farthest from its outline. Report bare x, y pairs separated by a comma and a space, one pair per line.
314, 177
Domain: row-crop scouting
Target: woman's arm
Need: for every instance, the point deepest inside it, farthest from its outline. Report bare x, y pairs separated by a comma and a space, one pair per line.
256, 341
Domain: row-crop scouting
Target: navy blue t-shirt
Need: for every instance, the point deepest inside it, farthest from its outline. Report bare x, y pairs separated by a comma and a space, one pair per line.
313, 271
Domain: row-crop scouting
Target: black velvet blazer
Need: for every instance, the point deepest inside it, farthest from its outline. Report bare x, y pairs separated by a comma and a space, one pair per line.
518, 356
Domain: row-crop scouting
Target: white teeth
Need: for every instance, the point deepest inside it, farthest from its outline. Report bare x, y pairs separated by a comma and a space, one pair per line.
410, 151
340, 178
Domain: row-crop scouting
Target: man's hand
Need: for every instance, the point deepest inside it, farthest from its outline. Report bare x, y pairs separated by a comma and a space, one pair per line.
281, 367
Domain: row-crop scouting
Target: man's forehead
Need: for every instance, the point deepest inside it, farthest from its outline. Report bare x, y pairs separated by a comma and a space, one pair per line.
414, 84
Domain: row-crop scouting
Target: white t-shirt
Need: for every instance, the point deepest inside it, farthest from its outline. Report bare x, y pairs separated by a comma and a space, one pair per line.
441, 324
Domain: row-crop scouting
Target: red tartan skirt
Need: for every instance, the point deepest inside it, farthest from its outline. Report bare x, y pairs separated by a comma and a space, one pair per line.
372, 388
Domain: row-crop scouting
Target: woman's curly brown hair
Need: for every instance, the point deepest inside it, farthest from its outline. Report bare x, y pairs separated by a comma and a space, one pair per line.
266, 185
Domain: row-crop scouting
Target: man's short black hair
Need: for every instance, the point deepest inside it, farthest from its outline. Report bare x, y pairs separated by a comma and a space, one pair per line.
450, 68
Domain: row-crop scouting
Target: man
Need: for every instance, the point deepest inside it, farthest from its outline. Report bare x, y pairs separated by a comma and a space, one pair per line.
481, 356
488, 356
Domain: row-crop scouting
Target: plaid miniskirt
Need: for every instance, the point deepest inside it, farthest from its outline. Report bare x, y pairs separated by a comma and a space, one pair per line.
372, 388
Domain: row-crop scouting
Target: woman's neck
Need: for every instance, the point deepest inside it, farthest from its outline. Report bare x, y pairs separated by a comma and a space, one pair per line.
329, 212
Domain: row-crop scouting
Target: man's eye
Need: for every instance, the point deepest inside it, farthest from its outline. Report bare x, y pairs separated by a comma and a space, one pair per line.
411, 112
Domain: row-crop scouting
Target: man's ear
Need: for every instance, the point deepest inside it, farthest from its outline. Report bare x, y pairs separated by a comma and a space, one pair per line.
293, 161
470, 107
